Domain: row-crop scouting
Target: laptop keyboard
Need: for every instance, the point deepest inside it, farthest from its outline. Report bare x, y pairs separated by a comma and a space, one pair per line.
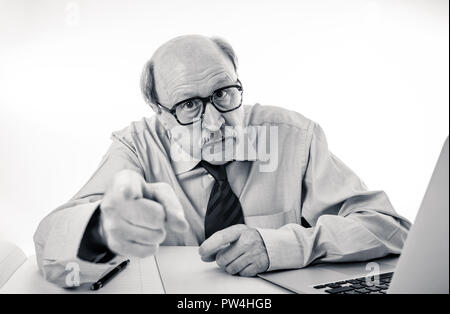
358, 286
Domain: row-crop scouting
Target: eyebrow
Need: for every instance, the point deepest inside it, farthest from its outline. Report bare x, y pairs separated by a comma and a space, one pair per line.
222, 83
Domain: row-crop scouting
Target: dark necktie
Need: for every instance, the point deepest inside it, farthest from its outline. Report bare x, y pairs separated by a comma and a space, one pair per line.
224, 208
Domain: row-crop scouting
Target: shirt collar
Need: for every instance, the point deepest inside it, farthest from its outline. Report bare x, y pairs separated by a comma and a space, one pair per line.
184, 166
181, 161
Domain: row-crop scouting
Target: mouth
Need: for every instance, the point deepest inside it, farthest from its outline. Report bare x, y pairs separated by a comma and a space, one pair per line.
212, 138
215, 141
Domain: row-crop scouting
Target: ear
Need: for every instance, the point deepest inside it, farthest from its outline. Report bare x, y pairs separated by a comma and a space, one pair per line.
159, 114
155, 107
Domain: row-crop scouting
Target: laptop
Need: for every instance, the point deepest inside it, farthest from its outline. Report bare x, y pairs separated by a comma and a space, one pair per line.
423, 266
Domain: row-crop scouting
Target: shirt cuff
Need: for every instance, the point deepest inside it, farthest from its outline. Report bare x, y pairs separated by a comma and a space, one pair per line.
283, 248
62, 245
68, 227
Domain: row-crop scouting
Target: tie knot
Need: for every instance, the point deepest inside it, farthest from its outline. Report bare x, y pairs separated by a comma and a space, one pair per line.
217, 171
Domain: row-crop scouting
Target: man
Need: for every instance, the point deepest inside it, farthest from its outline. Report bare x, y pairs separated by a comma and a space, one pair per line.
181, 177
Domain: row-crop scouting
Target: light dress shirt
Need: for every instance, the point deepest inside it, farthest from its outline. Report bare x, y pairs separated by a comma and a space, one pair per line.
305, 180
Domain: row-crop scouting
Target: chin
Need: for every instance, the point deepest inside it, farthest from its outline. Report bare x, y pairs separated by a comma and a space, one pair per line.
214, 159
217, 162
217, 154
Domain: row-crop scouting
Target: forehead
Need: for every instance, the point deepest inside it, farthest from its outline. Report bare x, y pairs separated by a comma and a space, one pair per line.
190, 67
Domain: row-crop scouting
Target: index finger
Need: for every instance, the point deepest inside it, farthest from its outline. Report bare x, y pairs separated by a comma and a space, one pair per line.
164, 194
219, 240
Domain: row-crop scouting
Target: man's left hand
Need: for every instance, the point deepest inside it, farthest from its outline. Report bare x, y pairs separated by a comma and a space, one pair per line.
238, 249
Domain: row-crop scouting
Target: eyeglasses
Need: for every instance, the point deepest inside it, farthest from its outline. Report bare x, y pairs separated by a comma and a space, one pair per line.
191, 110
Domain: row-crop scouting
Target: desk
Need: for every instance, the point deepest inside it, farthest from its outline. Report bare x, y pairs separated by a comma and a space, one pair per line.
182, 271
27, 279
173, 270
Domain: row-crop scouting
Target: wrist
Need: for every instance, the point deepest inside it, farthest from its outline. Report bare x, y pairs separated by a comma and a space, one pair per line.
93, 247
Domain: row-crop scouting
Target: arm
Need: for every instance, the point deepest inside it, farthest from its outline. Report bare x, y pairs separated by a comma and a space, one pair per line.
70, 235
349, 223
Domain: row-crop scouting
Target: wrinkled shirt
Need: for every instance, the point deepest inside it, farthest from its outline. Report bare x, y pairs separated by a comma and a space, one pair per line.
347, 221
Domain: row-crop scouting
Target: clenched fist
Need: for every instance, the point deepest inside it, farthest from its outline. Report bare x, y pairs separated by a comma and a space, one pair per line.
135, 214
238, 249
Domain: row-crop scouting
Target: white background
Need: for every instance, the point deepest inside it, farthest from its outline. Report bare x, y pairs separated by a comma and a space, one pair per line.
374, 74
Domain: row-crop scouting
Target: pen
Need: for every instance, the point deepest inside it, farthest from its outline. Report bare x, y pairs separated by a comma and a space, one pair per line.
110, 275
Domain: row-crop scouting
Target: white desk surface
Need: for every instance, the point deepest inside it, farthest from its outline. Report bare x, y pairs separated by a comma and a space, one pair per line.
141, 276
181, 270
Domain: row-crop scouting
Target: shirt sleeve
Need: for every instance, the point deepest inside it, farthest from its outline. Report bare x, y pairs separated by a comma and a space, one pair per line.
59, 235
349, 222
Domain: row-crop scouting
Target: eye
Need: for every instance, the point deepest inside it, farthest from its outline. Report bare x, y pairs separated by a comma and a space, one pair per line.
189, 105
219, 94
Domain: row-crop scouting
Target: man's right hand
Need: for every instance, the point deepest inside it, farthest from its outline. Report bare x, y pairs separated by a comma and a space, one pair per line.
135, 214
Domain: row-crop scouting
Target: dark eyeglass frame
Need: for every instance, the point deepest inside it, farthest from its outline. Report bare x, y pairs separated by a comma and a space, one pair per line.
204, 100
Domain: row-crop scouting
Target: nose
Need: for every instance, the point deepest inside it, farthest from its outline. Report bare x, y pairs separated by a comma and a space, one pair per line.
212, 119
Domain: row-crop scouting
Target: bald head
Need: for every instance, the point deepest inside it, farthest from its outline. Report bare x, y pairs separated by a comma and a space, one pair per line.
184, 50
187, 61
